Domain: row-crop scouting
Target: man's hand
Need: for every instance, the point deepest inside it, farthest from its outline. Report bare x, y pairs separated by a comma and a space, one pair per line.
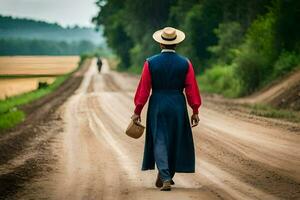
136, 118
195, 120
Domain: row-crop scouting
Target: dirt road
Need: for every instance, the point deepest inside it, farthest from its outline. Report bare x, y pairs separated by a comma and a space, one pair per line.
284, 93
88, 156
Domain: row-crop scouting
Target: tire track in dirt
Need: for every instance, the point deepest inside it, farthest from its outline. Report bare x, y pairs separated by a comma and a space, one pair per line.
83, 168
259, 181
269, 146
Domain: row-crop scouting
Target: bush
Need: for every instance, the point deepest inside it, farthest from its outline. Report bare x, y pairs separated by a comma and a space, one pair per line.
286, 62
43, 85
141, 51
256, 58
230, 37
220, 79
137, 57
250, 70
261, 35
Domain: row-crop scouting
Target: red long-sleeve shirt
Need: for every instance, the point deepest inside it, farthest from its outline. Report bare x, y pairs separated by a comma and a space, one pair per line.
145, 85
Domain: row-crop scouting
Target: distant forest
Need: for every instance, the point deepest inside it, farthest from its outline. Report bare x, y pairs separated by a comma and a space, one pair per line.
30, 37
10, 47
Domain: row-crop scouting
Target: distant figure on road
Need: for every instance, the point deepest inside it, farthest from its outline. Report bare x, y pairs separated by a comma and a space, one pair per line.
169, 141
99, 64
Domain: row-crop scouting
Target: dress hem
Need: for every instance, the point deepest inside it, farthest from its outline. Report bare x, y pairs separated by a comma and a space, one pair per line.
177, 171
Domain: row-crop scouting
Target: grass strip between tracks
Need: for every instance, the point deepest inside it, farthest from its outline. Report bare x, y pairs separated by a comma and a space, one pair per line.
271, 112
11, 114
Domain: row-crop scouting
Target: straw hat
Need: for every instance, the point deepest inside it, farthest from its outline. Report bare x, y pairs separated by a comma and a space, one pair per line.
168, 36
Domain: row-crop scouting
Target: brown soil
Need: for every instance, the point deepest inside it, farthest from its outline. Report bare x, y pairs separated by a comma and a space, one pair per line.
284, 93
80, 151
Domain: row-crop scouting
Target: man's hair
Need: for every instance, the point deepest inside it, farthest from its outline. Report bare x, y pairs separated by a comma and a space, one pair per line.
166, 46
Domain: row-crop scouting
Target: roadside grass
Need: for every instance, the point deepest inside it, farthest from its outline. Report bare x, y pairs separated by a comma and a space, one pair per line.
272, 112
11, 114
10, 119
28, 76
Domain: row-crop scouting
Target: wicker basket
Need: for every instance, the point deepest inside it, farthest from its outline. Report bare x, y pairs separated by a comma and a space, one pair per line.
135, 129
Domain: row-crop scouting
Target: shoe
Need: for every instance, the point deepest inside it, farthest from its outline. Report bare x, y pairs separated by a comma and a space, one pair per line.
159, 182
166, 186
172, 182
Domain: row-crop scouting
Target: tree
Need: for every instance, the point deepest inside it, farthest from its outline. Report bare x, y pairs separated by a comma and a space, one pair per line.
111, 16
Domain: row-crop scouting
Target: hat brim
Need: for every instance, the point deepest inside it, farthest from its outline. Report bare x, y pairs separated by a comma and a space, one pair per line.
179, 38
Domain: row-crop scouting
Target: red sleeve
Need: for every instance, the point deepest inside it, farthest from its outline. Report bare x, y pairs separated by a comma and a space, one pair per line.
192, 90
143, 90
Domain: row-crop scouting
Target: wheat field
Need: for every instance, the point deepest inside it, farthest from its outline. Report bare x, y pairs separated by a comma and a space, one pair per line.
28, 66
37, 65
16, 86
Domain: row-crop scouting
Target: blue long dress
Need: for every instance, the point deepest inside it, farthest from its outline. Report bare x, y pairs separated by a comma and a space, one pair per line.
169, 141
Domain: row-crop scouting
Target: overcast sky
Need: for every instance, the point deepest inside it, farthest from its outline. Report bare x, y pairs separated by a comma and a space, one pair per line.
64, 12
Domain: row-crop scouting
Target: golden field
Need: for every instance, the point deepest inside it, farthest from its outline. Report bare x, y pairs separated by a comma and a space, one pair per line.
32, 65
37, 65
11, 87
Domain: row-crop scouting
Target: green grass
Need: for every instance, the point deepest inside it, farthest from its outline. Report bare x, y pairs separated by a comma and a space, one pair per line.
11, 115
271, 112
10, 119
26, 76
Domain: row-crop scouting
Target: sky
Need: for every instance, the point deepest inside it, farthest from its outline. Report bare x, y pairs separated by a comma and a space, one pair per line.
63, 12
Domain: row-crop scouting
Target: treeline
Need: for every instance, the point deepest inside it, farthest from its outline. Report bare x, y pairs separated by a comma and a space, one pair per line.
44, 47
237, 46
11, 28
